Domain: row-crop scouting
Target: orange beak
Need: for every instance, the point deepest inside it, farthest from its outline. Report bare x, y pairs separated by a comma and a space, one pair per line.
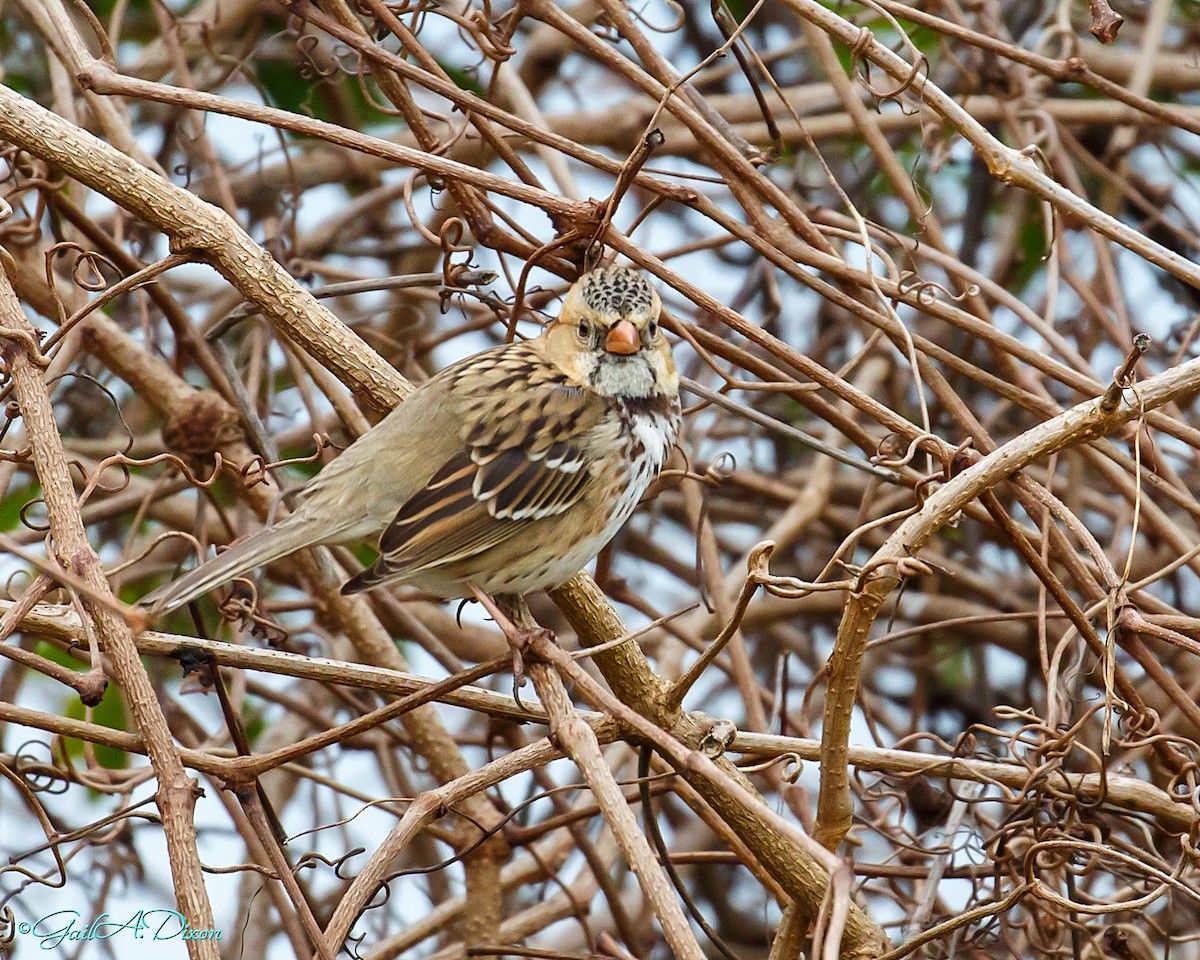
622, 339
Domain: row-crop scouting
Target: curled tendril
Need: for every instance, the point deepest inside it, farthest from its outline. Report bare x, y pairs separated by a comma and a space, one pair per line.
477, 28
673, 6
410, 208
86, 270
310, 859
27, 232
914, 447
33, 346
927, 290
309, 68
242, 611
723, 466
361, 74
197, 550
39, 775
22, 174
1139, 723
256, 469
903, 566
456, 277
759, 575
30, 524
34, 173
792, 764
715, 474
34, 805
450, 237
491, 42
124, 461
12, 578
352, 63
924, 487
917, 71
88, 378
92, 482
450, 240
183, 169
84, 260
1066, 37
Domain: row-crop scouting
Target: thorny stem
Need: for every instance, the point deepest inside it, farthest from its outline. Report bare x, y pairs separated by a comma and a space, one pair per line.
176, 795
1083, 422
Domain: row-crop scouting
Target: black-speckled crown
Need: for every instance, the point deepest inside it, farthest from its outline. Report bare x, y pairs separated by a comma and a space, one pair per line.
617, 291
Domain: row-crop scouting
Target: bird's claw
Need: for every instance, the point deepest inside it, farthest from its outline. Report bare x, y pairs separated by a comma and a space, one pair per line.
523, 641
518, 679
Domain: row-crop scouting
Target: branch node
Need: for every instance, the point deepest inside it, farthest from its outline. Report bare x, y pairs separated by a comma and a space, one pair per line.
1122, 376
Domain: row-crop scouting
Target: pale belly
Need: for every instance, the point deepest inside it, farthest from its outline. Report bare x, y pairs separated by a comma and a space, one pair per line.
549, 562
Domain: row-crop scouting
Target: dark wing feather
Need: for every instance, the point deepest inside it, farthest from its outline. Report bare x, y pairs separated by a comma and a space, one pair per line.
447, 493
516, 487
525, 456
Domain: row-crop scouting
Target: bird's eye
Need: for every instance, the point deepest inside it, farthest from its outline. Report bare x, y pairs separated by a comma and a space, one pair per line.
585, 330
652, 329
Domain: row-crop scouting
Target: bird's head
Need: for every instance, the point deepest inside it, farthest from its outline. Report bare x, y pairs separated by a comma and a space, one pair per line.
608, 335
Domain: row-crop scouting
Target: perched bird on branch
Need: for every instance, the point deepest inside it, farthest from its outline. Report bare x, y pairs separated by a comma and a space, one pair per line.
506, 472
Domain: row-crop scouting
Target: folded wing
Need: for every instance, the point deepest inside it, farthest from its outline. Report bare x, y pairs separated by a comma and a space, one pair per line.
525, 456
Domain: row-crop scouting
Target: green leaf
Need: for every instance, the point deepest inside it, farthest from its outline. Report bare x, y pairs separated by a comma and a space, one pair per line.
104, 8
462, 79
48, 651
339, 100
252, 720
285, 87
1034, 245
740, 9
951, 667
12, 504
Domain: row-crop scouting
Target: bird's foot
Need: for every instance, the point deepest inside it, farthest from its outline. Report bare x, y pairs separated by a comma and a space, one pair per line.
524, 635
524, 642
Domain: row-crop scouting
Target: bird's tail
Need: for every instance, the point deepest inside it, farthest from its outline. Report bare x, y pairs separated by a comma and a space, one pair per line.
270, 543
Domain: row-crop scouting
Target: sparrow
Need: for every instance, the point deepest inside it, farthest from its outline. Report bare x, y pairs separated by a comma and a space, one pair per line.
506, 472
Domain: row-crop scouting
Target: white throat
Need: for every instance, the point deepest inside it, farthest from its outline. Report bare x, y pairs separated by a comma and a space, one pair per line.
623, 377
